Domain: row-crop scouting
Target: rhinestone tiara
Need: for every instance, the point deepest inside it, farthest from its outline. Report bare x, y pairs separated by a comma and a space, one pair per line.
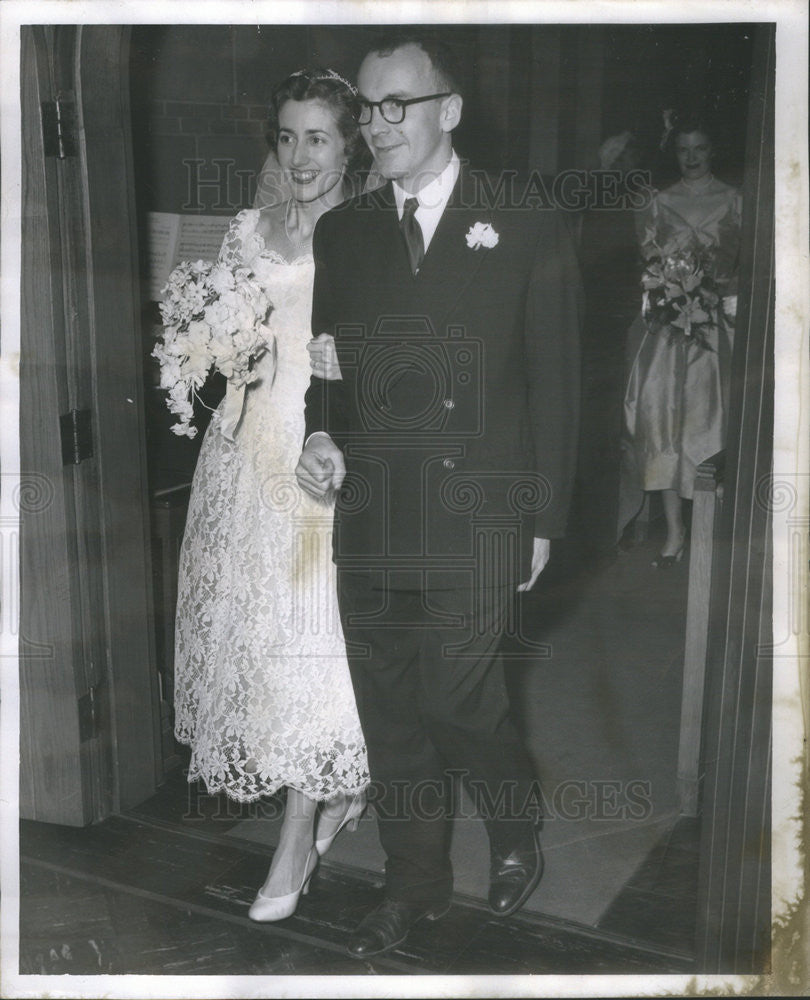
328, 74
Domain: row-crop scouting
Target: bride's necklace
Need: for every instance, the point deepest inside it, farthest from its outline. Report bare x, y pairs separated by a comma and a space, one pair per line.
300, 243
293, 214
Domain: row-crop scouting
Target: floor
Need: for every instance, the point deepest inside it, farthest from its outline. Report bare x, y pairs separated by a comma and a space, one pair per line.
128, 896
596, 679
165, 888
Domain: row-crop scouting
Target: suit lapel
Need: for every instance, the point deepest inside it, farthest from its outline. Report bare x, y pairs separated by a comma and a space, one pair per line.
387, 257
450, 265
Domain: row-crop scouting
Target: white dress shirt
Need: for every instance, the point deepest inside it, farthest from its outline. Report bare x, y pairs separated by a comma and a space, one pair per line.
432, 198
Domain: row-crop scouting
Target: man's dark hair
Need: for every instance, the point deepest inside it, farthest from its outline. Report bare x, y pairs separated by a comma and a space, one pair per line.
442, 57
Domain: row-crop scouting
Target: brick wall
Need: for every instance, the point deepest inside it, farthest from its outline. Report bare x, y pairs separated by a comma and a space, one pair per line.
205, 156
199, 105
198, 118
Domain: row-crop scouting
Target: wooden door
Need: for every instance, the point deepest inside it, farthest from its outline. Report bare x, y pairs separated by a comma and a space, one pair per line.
87, 678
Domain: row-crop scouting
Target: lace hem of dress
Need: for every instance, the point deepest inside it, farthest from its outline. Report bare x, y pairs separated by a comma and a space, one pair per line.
246, 786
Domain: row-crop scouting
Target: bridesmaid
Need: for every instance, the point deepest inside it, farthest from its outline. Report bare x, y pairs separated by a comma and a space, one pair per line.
676, 402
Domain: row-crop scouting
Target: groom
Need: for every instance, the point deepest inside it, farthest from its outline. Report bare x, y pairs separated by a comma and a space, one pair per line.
450, 440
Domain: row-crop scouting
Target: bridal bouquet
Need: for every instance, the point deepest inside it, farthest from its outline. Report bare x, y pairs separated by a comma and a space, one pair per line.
679, 290
213, 320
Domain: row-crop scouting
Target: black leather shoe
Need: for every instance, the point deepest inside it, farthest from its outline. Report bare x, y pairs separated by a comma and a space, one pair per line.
388, 925
513, 877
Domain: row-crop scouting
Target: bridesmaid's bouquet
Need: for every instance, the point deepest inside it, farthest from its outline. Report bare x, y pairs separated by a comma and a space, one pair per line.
680, 292
213, 320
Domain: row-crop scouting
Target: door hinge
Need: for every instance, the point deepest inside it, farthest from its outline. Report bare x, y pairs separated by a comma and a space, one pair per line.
77, 436
88, 716
59, 127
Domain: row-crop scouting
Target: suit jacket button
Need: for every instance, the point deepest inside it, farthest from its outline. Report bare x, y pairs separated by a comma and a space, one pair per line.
448, 404
448, 463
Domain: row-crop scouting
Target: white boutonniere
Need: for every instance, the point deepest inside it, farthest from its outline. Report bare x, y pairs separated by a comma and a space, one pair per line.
482, 235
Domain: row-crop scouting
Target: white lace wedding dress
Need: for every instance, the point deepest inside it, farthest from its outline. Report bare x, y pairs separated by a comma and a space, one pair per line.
262, 688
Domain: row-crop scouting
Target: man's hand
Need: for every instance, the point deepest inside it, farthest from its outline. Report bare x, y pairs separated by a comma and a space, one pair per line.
321, 469
542, 550
323, 357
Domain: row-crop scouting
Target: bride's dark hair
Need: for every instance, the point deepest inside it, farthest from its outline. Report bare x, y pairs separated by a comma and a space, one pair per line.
327, 86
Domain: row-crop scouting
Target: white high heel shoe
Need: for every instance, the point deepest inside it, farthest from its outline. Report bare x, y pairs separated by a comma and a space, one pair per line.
354, 811
265, 909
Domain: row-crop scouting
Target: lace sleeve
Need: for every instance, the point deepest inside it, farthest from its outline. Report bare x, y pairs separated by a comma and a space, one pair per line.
234, 245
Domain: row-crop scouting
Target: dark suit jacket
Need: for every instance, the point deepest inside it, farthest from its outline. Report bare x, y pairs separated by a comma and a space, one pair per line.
457, 412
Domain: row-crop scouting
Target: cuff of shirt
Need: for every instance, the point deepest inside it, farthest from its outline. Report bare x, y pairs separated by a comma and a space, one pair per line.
315, 434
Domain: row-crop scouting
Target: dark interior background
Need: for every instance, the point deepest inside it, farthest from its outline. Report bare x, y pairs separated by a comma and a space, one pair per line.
537, 97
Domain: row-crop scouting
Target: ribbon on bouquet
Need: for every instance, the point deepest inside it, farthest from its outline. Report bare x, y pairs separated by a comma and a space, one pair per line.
233, 405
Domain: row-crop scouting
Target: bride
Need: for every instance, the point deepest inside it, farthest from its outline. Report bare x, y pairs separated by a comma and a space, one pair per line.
262, 692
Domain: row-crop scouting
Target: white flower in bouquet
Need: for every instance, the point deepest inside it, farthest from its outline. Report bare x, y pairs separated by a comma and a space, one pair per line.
171, 372
214, 320
222, 280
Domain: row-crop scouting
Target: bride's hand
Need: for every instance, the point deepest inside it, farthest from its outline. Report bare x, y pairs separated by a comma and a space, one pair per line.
321, 468
323, 357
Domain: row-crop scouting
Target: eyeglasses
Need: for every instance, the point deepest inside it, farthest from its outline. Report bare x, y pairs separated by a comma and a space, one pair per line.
391, 108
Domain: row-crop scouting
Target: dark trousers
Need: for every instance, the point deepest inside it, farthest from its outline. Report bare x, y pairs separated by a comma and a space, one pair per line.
431, 698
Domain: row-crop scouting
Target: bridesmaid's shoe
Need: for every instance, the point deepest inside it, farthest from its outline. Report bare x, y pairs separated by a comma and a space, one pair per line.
667, 562
354, 811
268, 908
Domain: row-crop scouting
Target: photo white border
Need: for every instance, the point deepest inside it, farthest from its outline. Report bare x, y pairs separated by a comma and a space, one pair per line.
791, 463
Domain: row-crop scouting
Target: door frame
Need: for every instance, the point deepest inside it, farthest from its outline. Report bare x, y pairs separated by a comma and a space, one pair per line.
733, 932
133, 700
81, 335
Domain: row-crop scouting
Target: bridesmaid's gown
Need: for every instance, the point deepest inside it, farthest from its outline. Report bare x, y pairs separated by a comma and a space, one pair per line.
676, 402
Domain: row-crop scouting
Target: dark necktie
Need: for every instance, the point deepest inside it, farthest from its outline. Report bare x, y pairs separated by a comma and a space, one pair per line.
412, 233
